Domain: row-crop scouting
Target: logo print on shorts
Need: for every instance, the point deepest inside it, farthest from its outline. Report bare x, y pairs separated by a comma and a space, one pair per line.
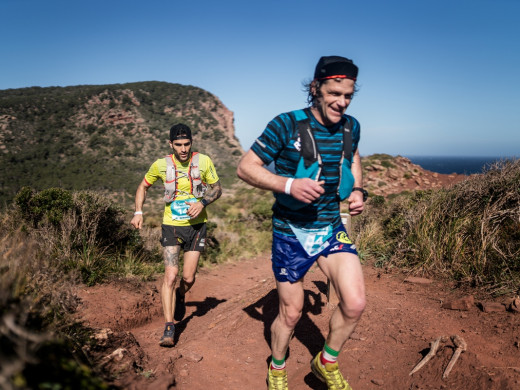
283, 271
337, 247
342, 237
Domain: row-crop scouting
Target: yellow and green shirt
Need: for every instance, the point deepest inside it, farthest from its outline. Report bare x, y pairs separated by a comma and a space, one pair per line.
208, 175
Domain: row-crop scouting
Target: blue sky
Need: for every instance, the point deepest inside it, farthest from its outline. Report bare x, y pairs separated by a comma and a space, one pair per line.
436, 77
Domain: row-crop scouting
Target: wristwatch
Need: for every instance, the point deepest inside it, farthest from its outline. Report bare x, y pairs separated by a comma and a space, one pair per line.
204, 202
363, 191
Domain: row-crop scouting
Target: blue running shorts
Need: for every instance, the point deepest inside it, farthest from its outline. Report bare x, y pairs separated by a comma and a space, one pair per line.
291, 262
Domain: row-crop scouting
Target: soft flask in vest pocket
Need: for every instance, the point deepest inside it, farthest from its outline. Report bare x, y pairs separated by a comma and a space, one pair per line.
312, 172
346, 181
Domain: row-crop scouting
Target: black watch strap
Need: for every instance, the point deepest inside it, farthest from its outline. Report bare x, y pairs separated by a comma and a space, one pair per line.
363, 191
204, 202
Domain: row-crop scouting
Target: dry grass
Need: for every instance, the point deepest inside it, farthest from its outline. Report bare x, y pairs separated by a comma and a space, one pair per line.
36, 303
469, 233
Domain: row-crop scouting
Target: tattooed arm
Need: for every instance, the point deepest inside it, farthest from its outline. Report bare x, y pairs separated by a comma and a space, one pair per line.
213, 192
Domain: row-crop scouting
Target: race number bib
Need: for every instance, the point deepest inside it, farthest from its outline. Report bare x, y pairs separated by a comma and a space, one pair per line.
313, 240
179, 208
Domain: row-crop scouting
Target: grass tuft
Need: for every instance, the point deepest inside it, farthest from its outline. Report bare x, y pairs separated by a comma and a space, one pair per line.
469, 233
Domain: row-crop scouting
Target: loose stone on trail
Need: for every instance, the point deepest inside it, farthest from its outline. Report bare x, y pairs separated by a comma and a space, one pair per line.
416, 280
464, 303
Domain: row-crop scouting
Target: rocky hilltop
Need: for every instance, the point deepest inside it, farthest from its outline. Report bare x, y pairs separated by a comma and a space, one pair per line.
386, 175
104, 137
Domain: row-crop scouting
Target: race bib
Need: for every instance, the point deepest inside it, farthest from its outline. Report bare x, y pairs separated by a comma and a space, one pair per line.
313, 240
179, 208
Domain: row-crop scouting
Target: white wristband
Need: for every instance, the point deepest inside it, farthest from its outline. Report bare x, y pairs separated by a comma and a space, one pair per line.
288, 185
138, 213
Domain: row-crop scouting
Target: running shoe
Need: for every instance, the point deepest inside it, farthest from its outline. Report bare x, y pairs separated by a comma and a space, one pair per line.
277, 379
167, 337
180, 306
329, 374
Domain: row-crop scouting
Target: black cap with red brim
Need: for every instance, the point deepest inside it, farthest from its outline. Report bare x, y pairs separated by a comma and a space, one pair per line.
331, 67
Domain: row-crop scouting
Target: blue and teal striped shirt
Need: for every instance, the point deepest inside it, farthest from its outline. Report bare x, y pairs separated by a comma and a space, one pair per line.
277, 143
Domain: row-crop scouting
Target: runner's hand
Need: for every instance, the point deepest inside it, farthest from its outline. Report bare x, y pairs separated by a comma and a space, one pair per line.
307, 190
356, 204
195, 209
137, 221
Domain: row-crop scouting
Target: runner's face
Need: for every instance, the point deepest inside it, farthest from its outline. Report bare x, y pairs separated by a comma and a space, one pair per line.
181, 149
336, 97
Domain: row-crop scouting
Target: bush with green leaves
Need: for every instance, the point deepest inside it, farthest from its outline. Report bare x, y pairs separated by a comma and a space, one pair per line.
49, 204
84, 231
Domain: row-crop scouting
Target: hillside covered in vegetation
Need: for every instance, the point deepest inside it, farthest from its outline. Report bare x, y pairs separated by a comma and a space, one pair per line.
104, 137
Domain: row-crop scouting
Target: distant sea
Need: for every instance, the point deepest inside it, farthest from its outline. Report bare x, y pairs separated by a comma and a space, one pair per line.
447, 165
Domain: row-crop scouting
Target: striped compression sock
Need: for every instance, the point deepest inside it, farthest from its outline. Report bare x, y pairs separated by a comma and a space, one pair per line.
277, 364
328, 355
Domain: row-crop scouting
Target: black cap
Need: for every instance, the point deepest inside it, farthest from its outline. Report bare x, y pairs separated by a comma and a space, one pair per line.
335, 67
180, 131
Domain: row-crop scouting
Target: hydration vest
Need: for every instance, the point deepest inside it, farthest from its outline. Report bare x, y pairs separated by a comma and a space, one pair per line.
310, 163
197, 186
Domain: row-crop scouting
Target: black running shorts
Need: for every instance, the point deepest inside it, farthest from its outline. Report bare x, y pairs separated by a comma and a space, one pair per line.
190, 238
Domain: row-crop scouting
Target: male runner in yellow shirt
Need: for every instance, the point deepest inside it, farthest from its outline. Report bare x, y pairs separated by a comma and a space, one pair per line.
191, 184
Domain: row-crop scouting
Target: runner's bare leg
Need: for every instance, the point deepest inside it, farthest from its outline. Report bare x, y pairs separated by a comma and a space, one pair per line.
189, 269
346, 275
290, 297
171, 269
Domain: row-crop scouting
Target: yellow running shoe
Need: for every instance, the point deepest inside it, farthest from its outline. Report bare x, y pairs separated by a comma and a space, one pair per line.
329, 374
277, 379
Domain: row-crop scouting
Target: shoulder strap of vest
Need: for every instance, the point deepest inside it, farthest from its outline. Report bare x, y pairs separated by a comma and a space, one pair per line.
347, 139
170, 168
194, 171
194, 166
170, 185
309, 148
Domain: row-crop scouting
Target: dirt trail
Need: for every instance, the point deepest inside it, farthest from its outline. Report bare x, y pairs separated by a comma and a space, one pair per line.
223, 341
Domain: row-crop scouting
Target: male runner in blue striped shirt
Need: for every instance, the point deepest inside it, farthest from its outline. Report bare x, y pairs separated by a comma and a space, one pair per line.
306, 215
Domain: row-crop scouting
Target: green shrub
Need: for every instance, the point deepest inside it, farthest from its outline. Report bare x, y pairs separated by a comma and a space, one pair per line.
50, 204
377, 200
262, 209
387, 164
84, 231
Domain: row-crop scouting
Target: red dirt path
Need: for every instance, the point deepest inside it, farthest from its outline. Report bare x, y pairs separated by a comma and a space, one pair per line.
223, 341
